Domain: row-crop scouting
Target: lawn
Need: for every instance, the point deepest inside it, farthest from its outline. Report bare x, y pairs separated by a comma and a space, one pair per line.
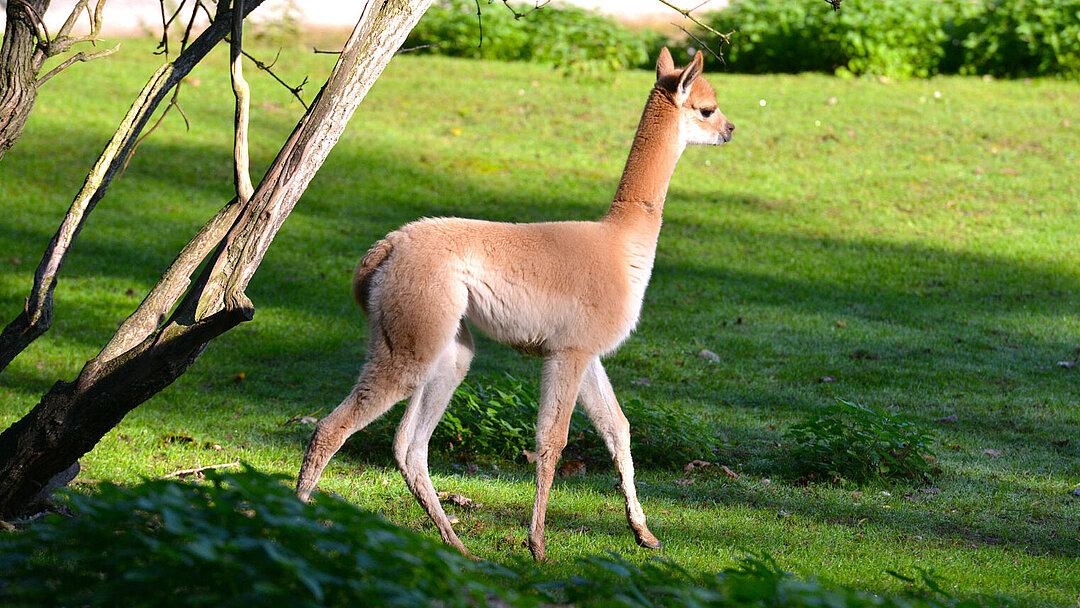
903, 244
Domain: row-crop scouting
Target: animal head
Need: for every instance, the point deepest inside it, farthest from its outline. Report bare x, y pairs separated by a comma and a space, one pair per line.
700, 119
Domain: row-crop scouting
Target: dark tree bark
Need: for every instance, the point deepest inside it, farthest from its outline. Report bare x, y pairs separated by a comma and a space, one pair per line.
25, 48
147, 354
36, 316
18, 69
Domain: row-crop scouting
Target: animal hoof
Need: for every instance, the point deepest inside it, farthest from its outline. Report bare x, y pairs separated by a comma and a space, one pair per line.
649, 542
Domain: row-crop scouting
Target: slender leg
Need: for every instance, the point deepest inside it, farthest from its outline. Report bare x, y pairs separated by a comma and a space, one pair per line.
422, 415
372, 396
558, 391
598, 399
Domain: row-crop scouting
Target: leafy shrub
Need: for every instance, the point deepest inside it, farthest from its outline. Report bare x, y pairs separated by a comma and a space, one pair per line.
757, 580
899, 38
564, 36
858, 443
497, 420
1023, 38
243, 540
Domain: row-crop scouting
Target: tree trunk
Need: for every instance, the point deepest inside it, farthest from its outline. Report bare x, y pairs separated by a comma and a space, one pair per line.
36, 316
19, 64
146, 356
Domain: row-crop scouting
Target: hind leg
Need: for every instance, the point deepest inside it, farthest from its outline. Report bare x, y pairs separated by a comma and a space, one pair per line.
406, 342
375, 393
598, 399
422, 415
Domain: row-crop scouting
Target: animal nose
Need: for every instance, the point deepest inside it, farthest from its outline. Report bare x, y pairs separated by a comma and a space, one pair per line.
730, 127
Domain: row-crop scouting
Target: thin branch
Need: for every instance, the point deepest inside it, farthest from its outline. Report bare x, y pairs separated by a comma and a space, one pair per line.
242, 92
40, 29
536, 6
77, 10
192, 471
835, 4
77, 57
704, 45
173, 103
318, 51
480, 23
417, 48
724, 38
296, 91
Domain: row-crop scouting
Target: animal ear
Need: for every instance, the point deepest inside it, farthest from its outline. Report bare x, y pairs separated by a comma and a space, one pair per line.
688, 76
664, 64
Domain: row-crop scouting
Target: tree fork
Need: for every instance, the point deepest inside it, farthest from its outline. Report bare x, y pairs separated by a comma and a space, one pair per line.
72, 417
36, 317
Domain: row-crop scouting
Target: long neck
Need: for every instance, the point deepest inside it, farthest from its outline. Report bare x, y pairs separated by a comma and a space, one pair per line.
652, 160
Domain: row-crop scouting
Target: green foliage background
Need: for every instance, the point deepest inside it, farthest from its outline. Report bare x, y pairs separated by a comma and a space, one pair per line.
905, 38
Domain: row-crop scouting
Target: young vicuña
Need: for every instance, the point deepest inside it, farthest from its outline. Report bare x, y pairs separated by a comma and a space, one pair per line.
569, 292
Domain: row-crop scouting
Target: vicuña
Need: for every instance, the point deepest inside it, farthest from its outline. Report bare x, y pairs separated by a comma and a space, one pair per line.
569, 292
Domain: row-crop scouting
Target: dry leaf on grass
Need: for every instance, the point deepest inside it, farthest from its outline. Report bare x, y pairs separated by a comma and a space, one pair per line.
684, 482
994, 453
459, 500
729, 472
696, 464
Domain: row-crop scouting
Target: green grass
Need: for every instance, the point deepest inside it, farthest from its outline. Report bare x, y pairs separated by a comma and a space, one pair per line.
916, 241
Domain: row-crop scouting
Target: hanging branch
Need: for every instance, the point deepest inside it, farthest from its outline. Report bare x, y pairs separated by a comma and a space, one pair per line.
242, 92
687, 13
36, 317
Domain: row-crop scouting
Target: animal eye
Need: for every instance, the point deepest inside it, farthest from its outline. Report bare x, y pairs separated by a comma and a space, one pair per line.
706, 113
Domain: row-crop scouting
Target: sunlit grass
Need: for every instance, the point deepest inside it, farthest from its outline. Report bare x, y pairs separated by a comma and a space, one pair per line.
913, 241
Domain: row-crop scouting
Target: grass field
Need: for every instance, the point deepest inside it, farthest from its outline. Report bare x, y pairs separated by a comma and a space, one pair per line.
916, 242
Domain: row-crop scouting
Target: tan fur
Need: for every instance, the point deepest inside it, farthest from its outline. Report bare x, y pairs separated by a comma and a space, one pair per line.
569, 292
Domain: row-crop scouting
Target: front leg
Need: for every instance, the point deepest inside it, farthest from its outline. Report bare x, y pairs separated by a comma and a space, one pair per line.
598, 399
558, 391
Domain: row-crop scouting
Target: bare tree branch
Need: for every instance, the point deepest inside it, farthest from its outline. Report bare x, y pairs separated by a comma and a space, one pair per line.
194, 470
296, 91
242, 92
724, 38
77, 57
36, 317
539, 4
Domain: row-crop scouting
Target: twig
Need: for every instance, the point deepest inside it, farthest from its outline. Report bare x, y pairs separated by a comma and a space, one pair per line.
835, 4
296, 419
296, 91
686, 13
536, 6
417, 48
480, 23
77, 57
318, 51
705, 46
192, 471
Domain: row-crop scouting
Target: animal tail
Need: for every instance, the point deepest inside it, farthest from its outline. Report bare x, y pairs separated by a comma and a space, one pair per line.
362, 276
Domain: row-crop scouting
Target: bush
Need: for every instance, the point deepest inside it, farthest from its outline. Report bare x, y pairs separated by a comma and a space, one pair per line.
904, 39
243, 540
567, 37
496, 419
858, 443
